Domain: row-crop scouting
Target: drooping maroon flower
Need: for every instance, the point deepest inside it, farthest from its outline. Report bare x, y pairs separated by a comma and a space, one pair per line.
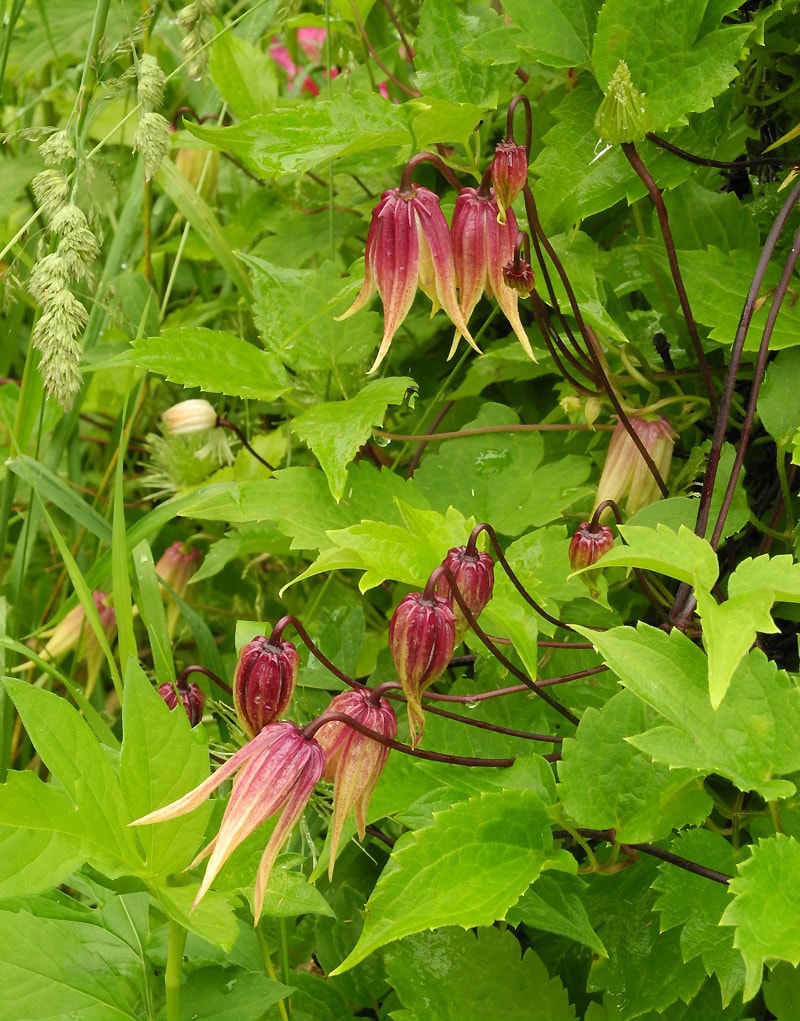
408, 246
264, 682
586, 547
625, 472
422, 635
482, 247
474, 575
190, 696
509, 174
353, 761
277, 772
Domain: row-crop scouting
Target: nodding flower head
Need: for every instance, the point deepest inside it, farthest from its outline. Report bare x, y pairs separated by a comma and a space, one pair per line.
482, 248
626, 473
193, 416
422, 636
354, 761
408, 246
473, 573
275, 772
509, 174
586, 547
189, 695
264, 682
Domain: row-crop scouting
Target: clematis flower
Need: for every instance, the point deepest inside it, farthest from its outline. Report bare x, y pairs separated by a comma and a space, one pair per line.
409, 246
509, 174
474, 575
353, 761
276, 772
482, 248
73, 633
189, 695
625, 472
586, 547
422, 635
193, 416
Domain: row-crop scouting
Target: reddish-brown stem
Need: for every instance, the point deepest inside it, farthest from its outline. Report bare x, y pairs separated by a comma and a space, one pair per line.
424, 443
195, 668
704, 161
512, 108
426, 157
284, 622
646, 177
223, 423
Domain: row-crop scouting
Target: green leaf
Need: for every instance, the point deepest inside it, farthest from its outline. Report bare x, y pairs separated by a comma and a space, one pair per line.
729, 629
336, 431
82, 767
676, 57
294, 140
483, 974
780, 575
442, 68
777, 404
54, 490
691, 901
215, 361
766, 889
230, 994
750, 738
680, 554
59, 968
555, 904
438, 120
556, 33
151, 607
244, 75
607, 783
162, 758
467, 868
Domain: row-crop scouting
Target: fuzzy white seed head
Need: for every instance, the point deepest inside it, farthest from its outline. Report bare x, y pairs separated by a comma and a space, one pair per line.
152, 141
152, 82
57, 149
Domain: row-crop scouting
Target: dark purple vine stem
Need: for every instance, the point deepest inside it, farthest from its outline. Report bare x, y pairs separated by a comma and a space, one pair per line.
635, 160
195, 668
224, 423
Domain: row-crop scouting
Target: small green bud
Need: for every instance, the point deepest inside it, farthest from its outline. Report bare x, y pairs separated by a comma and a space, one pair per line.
624, 115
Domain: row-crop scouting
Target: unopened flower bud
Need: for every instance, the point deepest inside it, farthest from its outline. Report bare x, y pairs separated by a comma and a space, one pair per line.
422, 635
190, 696
74, 632
585, 549
518, 275
175, 567
264, 682
474, 575
626, 473
354, 761
200, 167
509, 174
193, 416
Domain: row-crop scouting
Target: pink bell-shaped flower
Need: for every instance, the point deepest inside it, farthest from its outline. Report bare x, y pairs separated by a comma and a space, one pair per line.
482, 248
264, 682
625, 472
353, 761
509, 174
473, 573
422, 636
275, 772
408, 246
586, 547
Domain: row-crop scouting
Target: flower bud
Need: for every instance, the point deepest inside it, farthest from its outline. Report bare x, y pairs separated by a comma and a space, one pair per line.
518, 275
626, 473
191, 416
474, 575
422, 635
73, 632
509, 174
354, 761
190, 696
264, 682
175, 568
585, 549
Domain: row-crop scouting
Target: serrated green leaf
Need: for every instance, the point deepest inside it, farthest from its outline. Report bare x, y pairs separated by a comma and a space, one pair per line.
335, 431
777, 404
72, 754
556, 33
680, 554
607, 783
750, 738
679, 60
766, 889
780, 575
554, 904
215, 361
691, 901
58, 968
481, 974
440, 120
244, 75
296, 139
161, 759
468, 868
729, 629
230, 994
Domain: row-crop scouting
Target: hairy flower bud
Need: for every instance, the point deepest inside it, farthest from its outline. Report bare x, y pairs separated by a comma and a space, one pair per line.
190, 696
193, 416
585, 549
623, 115
422, 635
509, 174
474, 575
354, 761
264, 682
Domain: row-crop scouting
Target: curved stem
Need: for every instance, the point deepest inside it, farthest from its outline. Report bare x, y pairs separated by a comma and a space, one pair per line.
224, 423
703, 161
512, 108
426, 157
284, 622
195, 668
